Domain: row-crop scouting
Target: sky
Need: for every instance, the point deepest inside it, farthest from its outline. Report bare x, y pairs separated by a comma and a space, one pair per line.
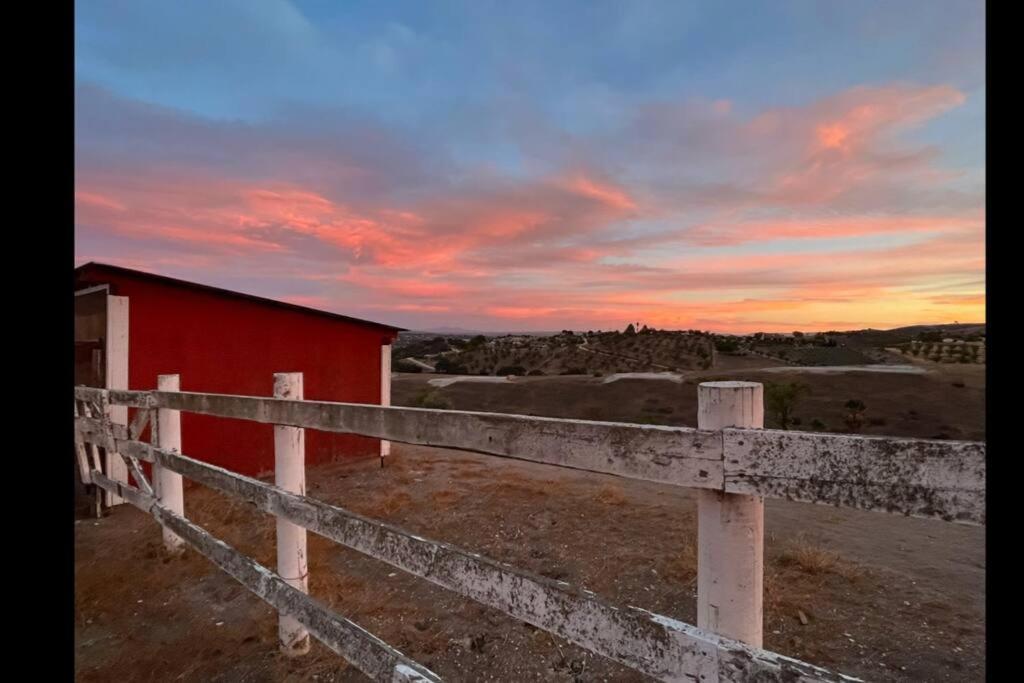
496, 166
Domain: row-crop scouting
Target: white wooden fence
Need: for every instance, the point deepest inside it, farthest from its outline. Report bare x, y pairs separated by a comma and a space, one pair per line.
734, 467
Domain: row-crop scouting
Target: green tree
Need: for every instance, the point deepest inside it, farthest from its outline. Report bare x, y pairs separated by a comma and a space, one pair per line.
781, 400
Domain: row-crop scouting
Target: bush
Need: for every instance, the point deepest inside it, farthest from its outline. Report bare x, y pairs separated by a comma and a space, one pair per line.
877, 421
818, 424
434, 400
855, 414
446, 366
959, 384
407, 366
535, 373
511, 370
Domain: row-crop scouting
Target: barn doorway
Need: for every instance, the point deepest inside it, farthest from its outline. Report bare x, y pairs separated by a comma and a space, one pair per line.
101, 361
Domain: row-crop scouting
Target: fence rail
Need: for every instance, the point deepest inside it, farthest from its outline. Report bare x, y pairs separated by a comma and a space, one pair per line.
916, 477
938, 479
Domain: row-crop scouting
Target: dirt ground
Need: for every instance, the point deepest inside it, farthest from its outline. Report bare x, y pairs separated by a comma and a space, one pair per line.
885, 598
948, 402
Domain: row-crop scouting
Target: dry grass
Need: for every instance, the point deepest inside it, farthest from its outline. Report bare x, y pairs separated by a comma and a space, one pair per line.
611, 495
445, 499
813, 559
682, 566
509, 485
383, 505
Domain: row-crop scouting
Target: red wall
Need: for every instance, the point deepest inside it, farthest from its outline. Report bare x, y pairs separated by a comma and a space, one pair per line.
229, 345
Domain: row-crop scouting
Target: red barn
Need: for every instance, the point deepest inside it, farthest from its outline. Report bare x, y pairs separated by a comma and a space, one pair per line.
131, 326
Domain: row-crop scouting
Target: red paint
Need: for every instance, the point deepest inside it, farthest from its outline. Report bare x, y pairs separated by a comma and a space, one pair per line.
229, 344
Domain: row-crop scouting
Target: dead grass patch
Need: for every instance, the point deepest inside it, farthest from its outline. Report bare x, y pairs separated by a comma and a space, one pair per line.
681, 568
611, 495
445, 499
384, 506
813, 559
507, 487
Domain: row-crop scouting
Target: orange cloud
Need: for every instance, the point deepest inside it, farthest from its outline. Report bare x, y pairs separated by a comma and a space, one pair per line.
97, 201
605, 193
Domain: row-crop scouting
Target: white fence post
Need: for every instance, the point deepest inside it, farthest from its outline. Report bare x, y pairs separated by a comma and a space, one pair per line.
730, 526
167, 484
290, 475
385, 393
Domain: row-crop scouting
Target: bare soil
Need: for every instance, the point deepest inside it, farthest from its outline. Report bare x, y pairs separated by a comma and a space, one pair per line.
948, 402
885, 598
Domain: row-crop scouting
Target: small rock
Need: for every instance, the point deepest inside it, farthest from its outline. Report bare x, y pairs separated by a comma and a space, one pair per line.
219, 623
802, 617
392, 574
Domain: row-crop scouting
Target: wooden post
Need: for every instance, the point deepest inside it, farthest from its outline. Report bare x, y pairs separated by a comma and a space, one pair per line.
116, 378
167, 485
730, 526
385, 393
290, 475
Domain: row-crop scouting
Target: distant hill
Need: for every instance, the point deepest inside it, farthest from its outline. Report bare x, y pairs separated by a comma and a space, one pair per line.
650, 350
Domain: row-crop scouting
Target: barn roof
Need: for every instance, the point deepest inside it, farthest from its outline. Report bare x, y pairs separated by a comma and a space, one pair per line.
94, 271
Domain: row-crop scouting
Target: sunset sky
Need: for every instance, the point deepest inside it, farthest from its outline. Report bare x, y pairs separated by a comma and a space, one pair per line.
513, 166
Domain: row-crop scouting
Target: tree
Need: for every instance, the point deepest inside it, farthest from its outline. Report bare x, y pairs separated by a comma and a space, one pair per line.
630, 329
726, 346
855, 414
446, 366
781, 400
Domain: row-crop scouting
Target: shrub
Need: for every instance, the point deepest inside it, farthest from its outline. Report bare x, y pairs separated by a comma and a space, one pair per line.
535, 373
446, 366
877, 421
407, 366
511, 370
855, 414
959, 384
434, 400
818, 424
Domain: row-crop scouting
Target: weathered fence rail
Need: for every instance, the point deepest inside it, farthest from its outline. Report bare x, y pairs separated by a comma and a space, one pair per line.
938, 479
918, 477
